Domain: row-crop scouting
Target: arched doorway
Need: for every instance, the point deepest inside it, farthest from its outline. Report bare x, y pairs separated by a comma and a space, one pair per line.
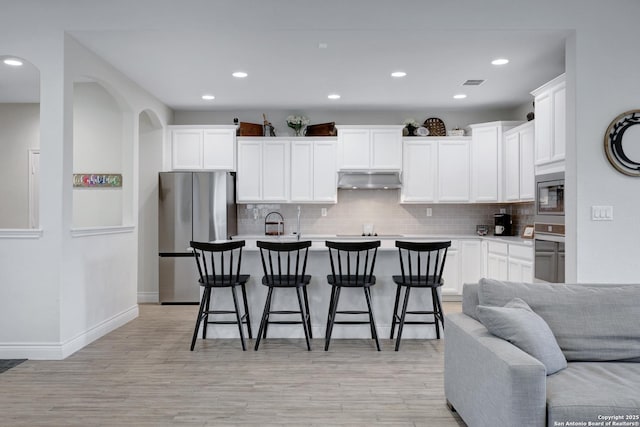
150, 137
19, 143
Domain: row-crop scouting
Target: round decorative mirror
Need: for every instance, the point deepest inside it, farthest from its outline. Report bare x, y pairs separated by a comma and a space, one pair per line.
619, 151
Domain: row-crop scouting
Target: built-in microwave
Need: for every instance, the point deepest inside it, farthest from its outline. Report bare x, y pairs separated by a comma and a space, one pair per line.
550, 197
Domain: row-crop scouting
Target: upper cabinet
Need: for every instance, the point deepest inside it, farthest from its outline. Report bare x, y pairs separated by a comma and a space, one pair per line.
550, 126
313, 171
203, 147
296, 170
518, 163
263, 170
436, 170
370, 147
487, 171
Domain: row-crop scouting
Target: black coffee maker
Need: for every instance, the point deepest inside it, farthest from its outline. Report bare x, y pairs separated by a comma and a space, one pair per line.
502, 224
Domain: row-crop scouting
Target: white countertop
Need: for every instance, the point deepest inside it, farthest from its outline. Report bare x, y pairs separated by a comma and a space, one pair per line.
388, 241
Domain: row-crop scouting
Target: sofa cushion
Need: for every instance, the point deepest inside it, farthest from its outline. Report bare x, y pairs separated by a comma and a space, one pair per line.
589, 322
518, 324
470, 300
587, 391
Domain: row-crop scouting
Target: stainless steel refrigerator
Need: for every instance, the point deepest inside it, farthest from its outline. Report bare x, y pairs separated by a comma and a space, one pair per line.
197, 206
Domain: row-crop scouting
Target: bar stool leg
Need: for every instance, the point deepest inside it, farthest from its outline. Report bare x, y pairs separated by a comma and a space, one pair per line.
265, 318
303, 314
395, 312
206, 311
238, 317
332, 316
246, 311
306, 306
402, 316
436, 303
367, 294
333, 293
200, 311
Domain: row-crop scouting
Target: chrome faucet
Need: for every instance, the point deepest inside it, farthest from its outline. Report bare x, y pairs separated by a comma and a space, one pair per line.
298, 231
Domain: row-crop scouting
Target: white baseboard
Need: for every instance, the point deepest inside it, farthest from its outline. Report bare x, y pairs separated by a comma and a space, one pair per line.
59, 351
148, 297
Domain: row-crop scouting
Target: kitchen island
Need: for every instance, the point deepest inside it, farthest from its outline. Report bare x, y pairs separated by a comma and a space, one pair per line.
464, 264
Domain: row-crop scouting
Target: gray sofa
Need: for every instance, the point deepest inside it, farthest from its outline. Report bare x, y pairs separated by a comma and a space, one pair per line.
491, 382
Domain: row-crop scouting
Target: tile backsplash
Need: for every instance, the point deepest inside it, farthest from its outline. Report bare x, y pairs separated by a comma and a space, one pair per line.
382, 209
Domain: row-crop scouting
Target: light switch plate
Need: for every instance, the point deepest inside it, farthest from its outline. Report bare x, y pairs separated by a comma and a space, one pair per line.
429, 211
602, 213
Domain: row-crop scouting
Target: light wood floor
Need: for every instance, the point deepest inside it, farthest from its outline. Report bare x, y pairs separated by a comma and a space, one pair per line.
143, 374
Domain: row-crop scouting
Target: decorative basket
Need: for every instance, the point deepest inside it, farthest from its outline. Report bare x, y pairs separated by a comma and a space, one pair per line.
250, 129
322, 129
436, 127
456, 132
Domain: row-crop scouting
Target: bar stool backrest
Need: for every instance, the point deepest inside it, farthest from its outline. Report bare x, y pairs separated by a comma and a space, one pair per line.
352, 263
422, 262
284, 263
218, 263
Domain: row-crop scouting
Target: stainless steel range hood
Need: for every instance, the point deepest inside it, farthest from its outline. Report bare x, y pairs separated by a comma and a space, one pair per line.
369, 180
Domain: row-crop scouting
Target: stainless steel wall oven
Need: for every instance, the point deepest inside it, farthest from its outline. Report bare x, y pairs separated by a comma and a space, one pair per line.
549, 228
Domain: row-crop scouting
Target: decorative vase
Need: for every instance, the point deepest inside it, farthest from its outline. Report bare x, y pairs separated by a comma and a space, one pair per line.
298, 131
411, 130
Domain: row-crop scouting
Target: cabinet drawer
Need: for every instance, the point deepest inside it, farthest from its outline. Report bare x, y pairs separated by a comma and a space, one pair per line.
522, 252
498, 248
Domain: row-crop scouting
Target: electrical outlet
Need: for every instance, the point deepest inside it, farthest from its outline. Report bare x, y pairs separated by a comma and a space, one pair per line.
429, 212
503, 210
323, 211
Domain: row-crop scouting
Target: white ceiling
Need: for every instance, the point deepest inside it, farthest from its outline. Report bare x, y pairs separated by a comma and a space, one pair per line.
287, 70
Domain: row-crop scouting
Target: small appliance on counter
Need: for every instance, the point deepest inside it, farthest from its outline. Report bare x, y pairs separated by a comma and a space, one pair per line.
502, 224
482, 230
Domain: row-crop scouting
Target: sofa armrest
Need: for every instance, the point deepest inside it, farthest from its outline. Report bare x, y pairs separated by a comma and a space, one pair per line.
489, 381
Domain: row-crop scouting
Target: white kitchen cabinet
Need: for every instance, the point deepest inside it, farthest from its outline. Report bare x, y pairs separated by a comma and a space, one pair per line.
370, 147
454, 171
249, 176
550, 126
451, 272
498, 261
463, 265
203, 148
487, 160
520, 263
419, 171
263, 170
519, 163
471, 262
509, 261
313, 171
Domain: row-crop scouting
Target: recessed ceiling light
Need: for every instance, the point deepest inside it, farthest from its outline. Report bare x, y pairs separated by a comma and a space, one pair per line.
398, 74
240, 74
459, 96
500, 61
13, 62
334, 96
208, 97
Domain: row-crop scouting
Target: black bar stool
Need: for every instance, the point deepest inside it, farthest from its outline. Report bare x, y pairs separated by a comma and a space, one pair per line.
352, 266
284, 266
219, 267
421, 264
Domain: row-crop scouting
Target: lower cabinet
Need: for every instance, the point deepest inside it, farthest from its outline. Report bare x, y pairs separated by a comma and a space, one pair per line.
463, 265
511, 262
520, 263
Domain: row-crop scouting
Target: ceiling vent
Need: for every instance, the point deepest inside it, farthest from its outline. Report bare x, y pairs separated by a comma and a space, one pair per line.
473, 83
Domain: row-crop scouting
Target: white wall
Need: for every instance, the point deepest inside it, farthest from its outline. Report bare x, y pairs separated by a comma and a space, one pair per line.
97, 148
19, 131
451, 119
151, 137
